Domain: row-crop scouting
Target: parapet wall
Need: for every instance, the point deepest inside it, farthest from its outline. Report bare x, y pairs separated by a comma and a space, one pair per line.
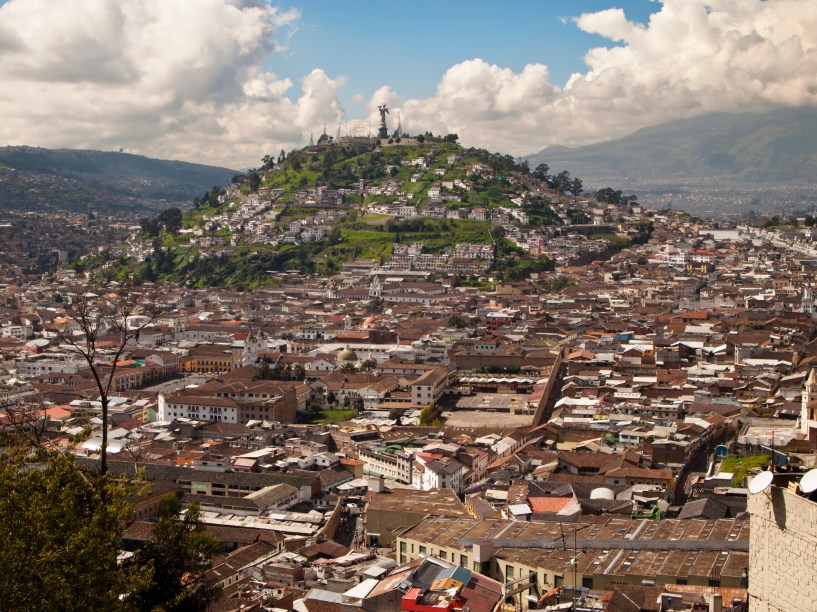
782, 552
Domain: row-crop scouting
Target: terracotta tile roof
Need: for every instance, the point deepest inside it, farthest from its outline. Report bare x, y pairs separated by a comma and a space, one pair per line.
548, 504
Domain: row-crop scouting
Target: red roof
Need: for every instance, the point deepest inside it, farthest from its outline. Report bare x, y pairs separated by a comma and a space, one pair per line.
549, 504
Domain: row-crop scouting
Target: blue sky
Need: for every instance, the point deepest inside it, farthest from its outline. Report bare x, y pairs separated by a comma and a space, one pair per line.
228, 81
411, 44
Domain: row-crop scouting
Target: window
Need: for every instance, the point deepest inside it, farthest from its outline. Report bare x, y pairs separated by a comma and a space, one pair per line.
463, 561
402, 547
422, 550
443, 555
510, 574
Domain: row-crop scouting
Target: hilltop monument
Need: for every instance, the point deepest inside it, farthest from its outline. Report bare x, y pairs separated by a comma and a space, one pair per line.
384, 131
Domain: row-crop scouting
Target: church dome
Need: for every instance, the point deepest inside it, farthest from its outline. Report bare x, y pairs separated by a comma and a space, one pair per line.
346, 355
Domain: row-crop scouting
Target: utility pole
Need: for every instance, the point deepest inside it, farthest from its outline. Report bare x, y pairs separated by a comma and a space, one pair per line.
575, 562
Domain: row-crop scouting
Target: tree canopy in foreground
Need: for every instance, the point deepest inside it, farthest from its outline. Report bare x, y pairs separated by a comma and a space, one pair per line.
61, 537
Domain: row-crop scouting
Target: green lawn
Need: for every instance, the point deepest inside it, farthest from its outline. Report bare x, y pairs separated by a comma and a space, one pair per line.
374, 219
338, 416
740, 466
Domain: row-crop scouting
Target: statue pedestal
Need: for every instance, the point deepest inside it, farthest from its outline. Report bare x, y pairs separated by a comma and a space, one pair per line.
384, 132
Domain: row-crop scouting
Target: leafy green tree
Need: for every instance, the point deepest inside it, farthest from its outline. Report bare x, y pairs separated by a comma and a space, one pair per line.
578, 217
313, 411
263, 372
171, 220
348, 368
367, 365
541, 172
429, 414
562, 182
609, 195
176, 558
334, 236
60, 537
254, 180
150, 226
457, 322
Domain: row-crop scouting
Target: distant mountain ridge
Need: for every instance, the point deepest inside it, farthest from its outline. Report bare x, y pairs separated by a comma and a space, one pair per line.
773, 147
33, 178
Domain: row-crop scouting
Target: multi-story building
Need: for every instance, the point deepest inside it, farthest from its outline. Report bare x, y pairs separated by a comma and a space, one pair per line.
49, 363
604, 555
438, 473
430, 386
389, 514
211, 358
258, 402
392, 464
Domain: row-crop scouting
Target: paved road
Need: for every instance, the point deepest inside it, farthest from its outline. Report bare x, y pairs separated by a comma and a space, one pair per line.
347, 528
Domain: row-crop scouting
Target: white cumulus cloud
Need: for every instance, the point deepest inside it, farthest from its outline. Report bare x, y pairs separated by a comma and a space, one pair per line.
693, 57
196, 79
167, 78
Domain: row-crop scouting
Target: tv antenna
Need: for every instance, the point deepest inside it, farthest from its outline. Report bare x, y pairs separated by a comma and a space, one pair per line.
574, 561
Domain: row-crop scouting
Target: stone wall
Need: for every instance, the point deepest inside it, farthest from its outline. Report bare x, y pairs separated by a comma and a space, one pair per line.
782, 552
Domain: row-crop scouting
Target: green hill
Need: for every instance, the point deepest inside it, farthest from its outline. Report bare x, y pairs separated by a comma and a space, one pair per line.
241, 235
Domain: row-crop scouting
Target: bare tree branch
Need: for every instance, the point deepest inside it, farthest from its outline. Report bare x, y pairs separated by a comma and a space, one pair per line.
96, 311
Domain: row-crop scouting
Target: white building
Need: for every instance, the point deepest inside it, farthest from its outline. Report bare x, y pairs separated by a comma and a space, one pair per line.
438, 473
392, 465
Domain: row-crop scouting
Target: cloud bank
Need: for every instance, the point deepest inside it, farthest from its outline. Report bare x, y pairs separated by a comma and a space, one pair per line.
165, 78
186, 80
693, 57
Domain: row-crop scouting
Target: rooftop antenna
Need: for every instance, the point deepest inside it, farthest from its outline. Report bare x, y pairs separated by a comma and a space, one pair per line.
575, 560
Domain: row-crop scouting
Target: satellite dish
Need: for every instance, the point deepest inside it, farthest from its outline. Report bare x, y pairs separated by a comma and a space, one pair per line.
808, 483
760, 482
